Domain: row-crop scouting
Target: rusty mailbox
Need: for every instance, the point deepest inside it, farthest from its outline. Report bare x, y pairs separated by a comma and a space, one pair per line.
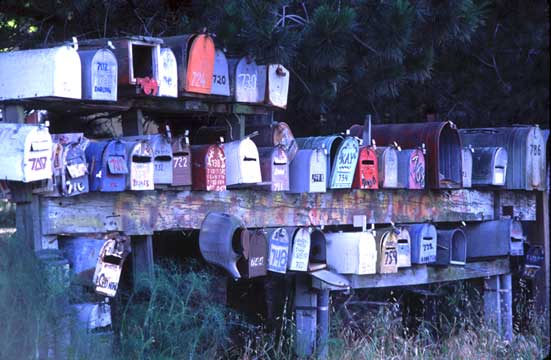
526, 153
253, 262
74, 172
209, 167
387, 250
242, 163
274, 167
451, 247
467, 166
443, 157
168, 74
99, 74
195, 55
411, 169
27, 153
276, 85
109, 265
220, 75
308, 171
275, 134
403, 247
387, 159
423, 243
352, 252
53, 72
278, 249
181, 160
366, 175
140, 165
108, 165
331, 144
490, 238
489, 166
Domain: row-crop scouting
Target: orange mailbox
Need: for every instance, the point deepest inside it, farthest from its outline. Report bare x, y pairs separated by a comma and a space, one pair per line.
366, 176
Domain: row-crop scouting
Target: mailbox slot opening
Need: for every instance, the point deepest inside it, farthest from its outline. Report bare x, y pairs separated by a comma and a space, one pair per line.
142, 60
458, 253
177, 154
141, 159
112, 259
317, 247
450, 155
368, 162
279, 163
248, 159
163, 158
403, 241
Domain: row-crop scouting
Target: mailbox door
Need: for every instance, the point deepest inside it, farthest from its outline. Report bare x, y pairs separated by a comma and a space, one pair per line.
278, 85
388, 254
500, 167
253, 264
416, 170
459, 248
200, 65
143, 60
246, 79
423, 243
467, 167
367, 254
181, 160
243, 165
109, 267
162, 155
115, 167
300, 252
36, 153
343, 252
366, 175
345, 162
274, 168
278, 250
387, 159
318, 171
74, 176
403, 248
168, 74
209, 168
331, 145
535, 159
220, 77
99, 74
140, 160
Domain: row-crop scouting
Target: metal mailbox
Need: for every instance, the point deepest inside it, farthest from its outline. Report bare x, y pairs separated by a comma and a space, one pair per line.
411, 169
242, 163
277, 85
209, 167
451, 247
517, 238
253, 262
140, 165
403, 248
274, 167
222, 240
387, 251
352, 252
330, 143
318, 250
168, 74
526, 152
53, 72
443, 157
220, 75
346, 159
109, 265
300, 252
490, 238
161, 145
246, 81
181, 160
108, 165
82, 253
387, 159
27, 153
367, 170
278, 249
195, 54
467, 166
423, 243
489, 166
308, 171
74, 174
99, 74
275, 134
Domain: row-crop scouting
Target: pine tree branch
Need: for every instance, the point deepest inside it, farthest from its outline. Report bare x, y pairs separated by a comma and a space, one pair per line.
363, 43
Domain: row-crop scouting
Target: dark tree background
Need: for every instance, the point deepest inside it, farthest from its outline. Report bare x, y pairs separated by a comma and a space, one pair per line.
478, 63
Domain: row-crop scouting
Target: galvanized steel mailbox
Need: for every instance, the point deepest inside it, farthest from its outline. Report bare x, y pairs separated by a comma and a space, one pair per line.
209, 167
387, 251
140, 165
253, 262
308, 171
411, 169
275, 134
367, 170
246, 81
54, 72
109, 265
27, 153
403, 248
108, 165
300, 252
74, 174
168, 74
423, 243
489, 238
451, 247
99, 74
181, 159
277, 85
220, 75
526, 152
467, 166
242, 163
387, 159
352, 252
489, 166
278, 249
274, 167
331, 144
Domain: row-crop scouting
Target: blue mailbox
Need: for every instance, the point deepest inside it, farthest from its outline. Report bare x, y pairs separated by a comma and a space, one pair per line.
108, 165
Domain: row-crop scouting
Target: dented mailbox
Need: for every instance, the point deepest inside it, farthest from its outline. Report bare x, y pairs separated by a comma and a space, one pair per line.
387, 251
331, 144
53, 72
168, 74
108, 165
220, 75
209, 167
403, 248
451, 247
253, 262
109, 265
411, 169
489, 238
99, 74
274, 167
278, 249
27, 153
140, 165
366, 175
181, 160
489, 166
308, 171
423, 243
467, 168
74, 174
352, 252
387, 159
242, 163
526, 153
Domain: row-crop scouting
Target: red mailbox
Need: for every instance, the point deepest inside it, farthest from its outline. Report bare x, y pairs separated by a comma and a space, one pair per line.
366, 176
209, 167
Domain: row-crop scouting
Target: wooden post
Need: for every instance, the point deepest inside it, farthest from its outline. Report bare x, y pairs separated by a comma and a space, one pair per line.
542, 296
492, 306
306, 317
506, 295
132, 122
323, 323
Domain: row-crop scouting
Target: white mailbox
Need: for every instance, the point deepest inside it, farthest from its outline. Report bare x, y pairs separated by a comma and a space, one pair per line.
300, 252
387, 158
247, 88
273, 85
140, 165
467, 160
242, 162
220, 75
27, 153
352, 252
53, 72
99, 74
403, 248
162, 157
168, 74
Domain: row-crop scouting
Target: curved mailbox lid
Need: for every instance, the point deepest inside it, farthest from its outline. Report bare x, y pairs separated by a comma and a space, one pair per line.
366, 175
352, 252
140, 165
387, 159
278, 85
346, 159
387, 253
312, 180
300, 252
488, 238
242, 162
489, 166
99, 74
181, 158
403, 248
467, 168
216, 236
423, 243
330, 143
451, 247
109, 265
247, 79
74, 176
274, 167
168, 74
411, 169
220, 75
209, 167
200, 65
276, 134
278, 249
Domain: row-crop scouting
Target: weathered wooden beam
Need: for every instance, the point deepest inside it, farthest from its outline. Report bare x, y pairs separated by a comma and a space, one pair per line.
520, 203
542, 291
142, 257
141, 213
306, 317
